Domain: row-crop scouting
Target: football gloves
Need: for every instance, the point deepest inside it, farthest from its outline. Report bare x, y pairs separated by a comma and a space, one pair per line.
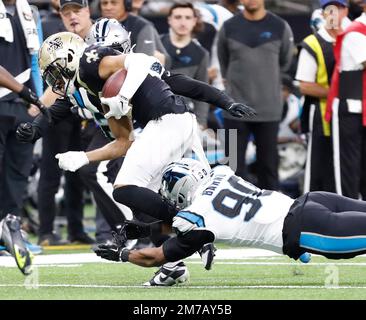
114, 251
26, 133
72, 160
118, 106
240, 110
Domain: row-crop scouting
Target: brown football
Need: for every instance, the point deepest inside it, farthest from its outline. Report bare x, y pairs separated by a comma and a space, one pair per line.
114, 83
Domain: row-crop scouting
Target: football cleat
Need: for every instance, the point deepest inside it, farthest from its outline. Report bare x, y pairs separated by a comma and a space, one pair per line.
207, 253
169, 274
12, 238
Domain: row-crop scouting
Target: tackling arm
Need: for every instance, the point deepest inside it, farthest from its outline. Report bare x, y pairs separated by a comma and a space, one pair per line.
174, 249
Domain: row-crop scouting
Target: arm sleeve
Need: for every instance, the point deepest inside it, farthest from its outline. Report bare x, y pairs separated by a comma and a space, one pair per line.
201, 108
145, 41
287, 48
60, 110
223, 52
183, 246
198, 90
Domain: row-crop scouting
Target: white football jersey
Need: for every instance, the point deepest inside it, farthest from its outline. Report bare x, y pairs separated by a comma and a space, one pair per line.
238, 212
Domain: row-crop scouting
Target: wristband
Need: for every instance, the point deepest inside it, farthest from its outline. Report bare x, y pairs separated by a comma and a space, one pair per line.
124, 254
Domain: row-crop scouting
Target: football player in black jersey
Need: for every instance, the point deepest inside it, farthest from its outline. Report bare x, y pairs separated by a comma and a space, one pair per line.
150, 104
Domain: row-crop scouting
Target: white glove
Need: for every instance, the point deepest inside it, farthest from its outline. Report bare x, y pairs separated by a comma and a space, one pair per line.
118, 106
72, 160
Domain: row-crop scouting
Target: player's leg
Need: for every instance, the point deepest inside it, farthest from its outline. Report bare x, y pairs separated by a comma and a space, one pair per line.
162, 142
11, 237
333, 226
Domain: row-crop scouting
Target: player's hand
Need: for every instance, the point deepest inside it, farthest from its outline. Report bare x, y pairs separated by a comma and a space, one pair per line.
28, 95
72, 160
118, 106
26, 133
182, 226
240, 110
110, 251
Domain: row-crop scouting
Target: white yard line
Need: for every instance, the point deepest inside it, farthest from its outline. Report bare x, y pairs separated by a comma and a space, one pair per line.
179, 287
77, 259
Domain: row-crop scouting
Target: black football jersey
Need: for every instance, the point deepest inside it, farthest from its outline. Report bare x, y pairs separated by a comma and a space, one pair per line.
153, 98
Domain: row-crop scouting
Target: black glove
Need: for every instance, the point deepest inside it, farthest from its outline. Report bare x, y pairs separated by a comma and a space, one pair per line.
29, 96
26, 133
112, 251
240, 110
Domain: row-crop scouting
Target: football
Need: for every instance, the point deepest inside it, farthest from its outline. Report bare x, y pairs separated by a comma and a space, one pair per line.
114, 83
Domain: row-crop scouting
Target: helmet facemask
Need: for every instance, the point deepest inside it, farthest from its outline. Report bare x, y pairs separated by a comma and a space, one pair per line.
59, 77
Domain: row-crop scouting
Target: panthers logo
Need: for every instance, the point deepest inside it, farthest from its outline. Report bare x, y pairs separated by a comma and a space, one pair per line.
156, 66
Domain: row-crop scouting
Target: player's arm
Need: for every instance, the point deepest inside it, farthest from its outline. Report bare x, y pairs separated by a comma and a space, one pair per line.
121, 130
201, 91
138, 66
174, 249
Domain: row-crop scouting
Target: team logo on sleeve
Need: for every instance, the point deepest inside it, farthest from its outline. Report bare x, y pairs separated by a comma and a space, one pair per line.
92, 56
156, 66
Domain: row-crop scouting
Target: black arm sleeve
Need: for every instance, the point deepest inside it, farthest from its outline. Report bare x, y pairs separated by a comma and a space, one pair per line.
60, 110
183, 246
198, 90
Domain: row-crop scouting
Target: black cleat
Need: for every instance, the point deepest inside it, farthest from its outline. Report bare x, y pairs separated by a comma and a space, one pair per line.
207, 253
13, 240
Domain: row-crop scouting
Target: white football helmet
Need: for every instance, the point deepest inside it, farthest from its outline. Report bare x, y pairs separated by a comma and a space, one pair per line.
109, 33
181, 180
59, 58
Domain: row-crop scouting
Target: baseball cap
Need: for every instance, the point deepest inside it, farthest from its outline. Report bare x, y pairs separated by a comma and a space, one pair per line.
324, 3
81, 3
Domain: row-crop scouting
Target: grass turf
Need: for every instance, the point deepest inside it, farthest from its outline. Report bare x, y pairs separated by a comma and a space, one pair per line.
227, 280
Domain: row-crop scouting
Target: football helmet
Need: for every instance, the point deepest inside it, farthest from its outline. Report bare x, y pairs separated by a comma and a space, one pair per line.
109, 33
59, 59
181, 180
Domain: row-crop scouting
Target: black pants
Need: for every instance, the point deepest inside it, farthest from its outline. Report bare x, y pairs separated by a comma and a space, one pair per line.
15, 158
327, 224
65, 136
319, 172
350, 153
96, 183
265, 136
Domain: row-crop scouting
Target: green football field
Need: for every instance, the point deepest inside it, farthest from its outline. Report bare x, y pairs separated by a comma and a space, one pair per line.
249, 278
